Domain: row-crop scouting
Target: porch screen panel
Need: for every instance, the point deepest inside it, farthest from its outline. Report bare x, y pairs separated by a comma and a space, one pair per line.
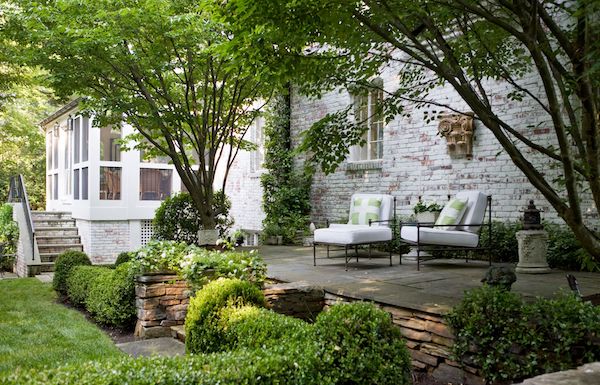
85, 134
109, 147
76, 184
110, 183
76, 139
155, 184
55, 186
84, 183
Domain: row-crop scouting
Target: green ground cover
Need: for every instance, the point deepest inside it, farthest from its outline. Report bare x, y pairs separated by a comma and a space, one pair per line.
36, 332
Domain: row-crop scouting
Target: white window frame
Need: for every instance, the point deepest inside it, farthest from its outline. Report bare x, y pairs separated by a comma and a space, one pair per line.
365, 113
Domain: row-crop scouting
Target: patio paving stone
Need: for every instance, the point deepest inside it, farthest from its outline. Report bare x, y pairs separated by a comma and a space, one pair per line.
440, 284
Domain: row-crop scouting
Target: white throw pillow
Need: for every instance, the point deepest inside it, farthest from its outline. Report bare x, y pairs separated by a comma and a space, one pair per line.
364, 209
451, 214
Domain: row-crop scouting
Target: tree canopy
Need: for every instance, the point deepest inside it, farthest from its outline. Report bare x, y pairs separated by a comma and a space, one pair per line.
467, 45
159, 66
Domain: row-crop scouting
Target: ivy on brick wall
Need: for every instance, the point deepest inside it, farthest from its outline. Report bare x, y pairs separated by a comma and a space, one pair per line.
286, 188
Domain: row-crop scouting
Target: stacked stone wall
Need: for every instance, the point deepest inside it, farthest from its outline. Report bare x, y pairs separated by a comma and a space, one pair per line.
161, 302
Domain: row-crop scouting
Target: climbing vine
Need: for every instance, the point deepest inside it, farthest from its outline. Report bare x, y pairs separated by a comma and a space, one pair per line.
286, 190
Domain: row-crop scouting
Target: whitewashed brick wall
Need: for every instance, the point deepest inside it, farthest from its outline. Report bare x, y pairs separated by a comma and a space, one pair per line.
416, 162
244, 190
104, 240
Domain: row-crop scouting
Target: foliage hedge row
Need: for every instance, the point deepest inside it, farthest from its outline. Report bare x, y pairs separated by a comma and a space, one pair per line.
108, 294
351, 343
511, 339
9, 235
191, 262
63, 266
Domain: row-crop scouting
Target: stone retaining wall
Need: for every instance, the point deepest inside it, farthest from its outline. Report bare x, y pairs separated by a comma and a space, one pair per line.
161, 302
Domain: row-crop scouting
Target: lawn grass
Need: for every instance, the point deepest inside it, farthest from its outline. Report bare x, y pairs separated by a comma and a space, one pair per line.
36, 332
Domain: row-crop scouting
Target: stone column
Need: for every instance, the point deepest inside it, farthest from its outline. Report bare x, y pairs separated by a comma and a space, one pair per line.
533, 246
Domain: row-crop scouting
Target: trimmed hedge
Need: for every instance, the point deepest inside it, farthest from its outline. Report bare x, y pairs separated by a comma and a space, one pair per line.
359, 344
123, 257
511, 340
111, 297
244, 367
79, 282
203, 332
256, 328
63, 266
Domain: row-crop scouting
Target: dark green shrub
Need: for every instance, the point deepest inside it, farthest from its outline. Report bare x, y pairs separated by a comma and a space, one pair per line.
359, 344
244, 367
63, 266
79, 282
203, 332
9, 236
565, 252
111, 297
123, 257
259, 328
511, 340
504, 240
178, 219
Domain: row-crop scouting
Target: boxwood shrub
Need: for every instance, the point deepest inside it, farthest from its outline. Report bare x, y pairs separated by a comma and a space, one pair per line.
256, 328
244, 367
79, 282
203, 332
111, 297
63, 265
123, 257
359, 344
510, 339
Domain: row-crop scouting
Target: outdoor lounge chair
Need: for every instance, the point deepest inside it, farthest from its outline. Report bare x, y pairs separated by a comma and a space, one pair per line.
368, 222
463, 234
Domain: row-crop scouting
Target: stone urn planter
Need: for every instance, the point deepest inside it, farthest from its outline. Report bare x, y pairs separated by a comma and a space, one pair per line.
208, 237
428, 216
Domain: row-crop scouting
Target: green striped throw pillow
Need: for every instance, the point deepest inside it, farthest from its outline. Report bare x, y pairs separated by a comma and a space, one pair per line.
364, 209
451, 214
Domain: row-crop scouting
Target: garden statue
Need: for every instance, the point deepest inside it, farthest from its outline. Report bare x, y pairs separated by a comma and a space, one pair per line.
500, 276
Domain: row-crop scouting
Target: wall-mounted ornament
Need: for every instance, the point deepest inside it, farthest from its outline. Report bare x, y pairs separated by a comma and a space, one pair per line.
458, 131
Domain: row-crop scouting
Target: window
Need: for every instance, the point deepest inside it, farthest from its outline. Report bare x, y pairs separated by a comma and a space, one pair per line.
76, 139
85, 135
67, 159
256, 136
49, 150
109, 146
55, 187
155, 184
84, 183
368, 111
49, 183
76, 184
110, 183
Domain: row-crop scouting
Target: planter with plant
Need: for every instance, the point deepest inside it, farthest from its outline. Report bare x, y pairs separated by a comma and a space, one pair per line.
427, 212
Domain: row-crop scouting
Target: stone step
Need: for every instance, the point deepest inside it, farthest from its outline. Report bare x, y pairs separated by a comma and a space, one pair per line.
48, 257
57, 239
45, 231
40, 215
178, 332
41, 267
59, 248
54, 223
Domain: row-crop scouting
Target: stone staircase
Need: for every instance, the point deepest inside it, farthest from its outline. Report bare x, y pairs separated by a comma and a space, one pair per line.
55, 232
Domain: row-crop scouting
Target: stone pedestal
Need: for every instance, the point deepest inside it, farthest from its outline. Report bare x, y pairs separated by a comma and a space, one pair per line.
533, 245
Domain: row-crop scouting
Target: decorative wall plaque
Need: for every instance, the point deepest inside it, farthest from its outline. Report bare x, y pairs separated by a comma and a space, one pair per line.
458, 131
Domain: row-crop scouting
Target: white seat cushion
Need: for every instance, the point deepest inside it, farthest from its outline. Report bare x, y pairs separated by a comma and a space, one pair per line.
353, 234
433, 236
476, 205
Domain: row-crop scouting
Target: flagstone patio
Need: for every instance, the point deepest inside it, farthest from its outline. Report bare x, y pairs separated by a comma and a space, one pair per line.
436, 288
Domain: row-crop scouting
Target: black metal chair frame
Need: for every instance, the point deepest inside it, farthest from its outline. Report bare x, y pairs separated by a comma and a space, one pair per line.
431, 247
346, 247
